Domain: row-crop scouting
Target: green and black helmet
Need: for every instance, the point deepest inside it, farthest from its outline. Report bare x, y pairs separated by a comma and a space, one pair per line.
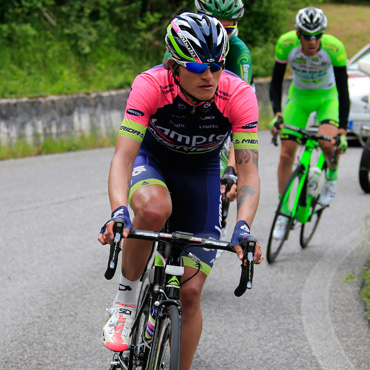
227, 9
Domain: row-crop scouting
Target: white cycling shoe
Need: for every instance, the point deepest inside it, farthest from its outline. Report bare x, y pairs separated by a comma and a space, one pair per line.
117, 329
280, 227
328, 192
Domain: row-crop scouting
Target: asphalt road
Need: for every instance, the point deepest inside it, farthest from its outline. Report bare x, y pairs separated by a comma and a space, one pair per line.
300, 315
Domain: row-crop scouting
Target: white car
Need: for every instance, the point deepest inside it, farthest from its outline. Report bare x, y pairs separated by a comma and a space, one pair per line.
359, 89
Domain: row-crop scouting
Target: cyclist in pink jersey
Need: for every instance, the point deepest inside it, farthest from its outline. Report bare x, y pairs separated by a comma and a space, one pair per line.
166, 166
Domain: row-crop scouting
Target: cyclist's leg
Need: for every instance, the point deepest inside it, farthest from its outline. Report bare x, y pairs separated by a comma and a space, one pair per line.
192, 315
328, 118
151, 203
197, 212
295, 114
287, 155
327, 114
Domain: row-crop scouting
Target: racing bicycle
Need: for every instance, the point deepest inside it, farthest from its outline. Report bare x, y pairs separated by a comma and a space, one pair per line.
300, 201
156, 331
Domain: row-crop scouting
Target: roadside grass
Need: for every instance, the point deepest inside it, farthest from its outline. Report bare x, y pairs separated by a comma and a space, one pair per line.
350, 24
364, 275
21, 148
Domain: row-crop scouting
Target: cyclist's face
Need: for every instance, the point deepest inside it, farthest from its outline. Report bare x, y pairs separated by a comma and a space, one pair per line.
309, 47
201, 85
227, 22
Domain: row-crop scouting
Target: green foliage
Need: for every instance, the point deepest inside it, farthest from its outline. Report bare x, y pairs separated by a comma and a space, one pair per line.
73, 46
21, 148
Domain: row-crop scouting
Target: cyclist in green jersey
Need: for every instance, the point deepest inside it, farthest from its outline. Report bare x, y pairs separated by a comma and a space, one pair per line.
320, 85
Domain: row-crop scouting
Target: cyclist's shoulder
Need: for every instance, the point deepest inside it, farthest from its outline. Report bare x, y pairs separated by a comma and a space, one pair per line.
156, 77
288, 39
232, 89
335, 48
229, 81
153, 86
332, 43
237, 44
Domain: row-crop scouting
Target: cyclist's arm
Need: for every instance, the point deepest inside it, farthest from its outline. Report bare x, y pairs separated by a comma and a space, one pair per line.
341, 80
231, 163
248, 184
121, 170
248, 192
119, 180
276, 86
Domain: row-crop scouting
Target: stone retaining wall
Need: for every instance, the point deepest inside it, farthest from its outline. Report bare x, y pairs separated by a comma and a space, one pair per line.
35, 119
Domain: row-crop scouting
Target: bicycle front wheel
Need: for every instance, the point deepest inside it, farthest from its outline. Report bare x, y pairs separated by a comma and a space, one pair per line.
314, 212
283, 215
168, 341
142, 317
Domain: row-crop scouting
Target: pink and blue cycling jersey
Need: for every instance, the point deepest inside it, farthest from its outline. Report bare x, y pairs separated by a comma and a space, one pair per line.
160, 117
181, 143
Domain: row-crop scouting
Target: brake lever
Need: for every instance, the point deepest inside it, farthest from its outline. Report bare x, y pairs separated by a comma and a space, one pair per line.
277, 124
226, 203
334, 158
246, 277
114, 250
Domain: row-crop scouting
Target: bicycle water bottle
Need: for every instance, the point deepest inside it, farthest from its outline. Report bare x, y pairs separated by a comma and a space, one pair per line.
313, 179
151, 322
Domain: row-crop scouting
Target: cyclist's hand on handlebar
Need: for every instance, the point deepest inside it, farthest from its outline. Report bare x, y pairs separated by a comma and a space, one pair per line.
242, 232
341, 142
120, 214
229, 182
276, 125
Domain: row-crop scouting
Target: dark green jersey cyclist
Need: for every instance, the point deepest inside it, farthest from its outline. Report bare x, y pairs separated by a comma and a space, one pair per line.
318, 62
229, 12
238, 61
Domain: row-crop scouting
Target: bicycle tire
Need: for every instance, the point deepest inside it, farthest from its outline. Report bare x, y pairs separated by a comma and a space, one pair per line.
143, 309
167, 341
315, 212
364, 172
274, 246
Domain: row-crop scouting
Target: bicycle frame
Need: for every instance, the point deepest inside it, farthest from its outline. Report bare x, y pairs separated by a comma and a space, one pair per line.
303, 200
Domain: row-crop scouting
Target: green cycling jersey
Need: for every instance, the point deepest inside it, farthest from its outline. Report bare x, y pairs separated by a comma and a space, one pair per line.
311, 72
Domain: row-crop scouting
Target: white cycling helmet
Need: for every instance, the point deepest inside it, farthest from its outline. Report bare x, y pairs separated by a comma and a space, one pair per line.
311, 20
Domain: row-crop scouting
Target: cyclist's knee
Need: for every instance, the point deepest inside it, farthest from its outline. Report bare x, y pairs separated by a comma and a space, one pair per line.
191, 296
287, 153
152, 209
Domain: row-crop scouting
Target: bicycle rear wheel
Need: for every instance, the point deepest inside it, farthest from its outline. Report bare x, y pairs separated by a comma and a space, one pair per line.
167, 341
364, 172
315, 212
288, 197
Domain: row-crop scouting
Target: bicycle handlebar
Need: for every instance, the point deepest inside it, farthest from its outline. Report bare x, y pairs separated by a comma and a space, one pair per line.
114, 250
184, 240
316, 136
